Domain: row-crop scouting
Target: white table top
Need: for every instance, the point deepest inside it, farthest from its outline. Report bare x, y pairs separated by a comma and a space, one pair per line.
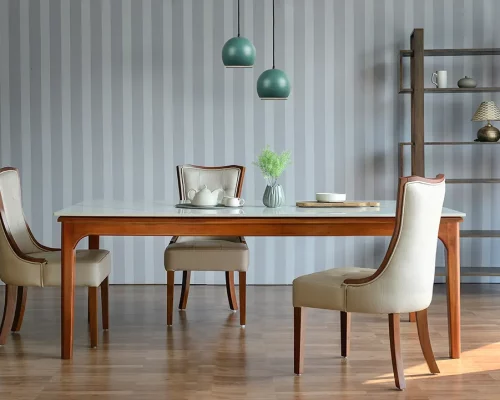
115, 208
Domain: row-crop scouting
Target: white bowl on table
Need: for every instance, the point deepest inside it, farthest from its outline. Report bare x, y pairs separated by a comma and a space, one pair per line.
331, 197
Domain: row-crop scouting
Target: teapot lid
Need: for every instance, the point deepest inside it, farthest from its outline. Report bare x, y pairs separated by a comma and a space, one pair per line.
203, 190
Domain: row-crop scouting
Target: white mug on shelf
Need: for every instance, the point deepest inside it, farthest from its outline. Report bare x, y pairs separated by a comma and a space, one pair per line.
440, 79
229, 201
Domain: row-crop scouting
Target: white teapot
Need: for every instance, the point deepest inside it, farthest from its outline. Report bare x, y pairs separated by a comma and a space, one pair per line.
204, 197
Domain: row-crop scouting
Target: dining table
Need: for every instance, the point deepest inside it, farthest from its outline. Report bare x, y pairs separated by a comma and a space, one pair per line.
97, 218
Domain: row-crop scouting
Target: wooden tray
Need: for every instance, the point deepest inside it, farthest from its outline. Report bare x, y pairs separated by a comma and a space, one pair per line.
352, 203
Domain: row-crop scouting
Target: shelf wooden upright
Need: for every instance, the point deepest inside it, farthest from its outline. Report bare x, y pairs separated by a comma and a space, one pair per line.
417, 102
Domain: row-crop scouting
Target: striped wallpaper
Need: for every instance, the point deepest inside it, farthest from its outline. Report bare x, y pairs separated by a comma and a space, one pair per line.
102, 98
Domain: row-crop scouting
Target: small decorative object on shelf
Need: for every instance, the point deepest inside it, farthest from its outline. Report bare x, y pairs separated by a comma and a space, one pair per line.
487, 111
272, 165
440, 79
467, 83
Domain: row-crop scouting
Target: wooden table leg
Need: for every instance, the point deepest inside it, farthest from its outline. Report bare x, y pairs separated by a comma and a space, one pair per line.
67, 290
450, 236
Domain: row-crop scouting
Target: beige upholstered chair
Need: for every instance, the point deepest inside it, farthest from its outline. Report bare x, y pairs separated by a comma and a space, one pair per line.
188, 253
403, 283
25, 262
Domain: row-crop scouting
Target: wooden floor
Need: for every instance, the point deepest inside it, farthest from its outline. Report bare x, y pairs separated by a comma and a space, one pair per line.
206, 355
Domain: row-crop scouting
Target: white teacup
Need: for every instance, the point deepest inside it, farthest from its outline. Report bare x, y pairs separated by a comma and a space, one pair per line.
229, 201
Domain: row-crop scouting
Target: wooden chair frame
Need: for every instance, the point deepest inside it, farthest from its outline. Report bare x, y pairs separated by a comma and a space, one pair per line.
16, 296
229, 275
394, 319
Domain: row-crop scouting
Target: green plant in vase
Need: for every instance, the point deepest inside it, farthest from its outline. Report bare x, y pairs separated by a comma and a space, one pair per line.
272, 165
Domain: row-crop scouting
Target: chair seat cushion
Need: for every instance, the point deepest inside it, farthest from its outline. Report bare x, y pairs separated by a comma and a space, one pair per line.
92, 267
207, 254
326, 289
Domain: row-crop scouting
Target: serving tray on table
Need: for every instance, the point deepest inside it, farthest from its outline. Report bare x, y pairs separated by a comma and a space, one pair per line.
353, 203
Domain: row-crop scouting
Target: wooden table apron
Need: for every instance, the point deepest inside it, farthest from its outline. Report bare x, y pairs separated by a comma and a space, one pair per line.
75, 228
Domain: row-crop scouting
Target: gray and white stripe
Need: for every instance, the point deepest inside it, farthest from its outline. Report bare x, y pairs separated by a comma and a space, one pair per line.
101, 99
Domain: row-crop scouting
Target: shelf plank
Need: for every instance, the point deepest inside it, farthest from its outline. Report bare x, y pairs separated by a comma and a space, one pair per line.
455, 90
462, 90
454, 52
472, 142
472, 271
479, 233
491, 180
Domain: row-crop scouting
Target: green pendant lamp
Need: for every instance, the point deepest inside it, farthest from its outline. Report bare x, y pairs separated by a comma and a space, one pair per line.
273, 84
238, 52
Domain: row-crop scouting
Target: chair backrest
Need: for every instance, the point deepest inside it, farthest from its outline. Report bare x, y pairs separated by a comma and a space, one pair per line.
11, 212
404, 281
229, 178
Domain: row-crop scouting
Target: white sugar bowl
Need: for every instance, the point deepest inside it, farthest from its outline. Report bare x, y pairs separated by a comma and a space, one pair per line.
331, 197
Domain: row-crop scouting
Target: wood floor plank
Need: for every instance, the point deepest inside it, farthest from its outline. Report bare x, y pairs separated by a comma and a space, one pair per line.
206, 355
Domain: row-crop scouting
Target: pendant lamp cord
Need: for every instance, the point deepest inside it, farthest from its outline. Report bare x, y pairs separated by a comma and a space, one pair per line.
238, 18
273, 35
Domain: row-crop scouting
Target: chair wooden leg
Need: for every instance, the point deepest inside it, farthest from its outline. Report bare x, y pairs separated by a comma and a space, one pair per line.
412, 317
345, 333
105, 303
22, 294
243, 297
170, 297
9, 310
299, 316
186, 279
93, 313
397, 360
231, 294
425, 341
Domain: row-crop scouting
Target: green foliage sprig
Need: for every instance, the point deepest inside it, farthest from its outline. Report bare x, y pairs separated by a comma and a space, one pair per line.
273, 164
